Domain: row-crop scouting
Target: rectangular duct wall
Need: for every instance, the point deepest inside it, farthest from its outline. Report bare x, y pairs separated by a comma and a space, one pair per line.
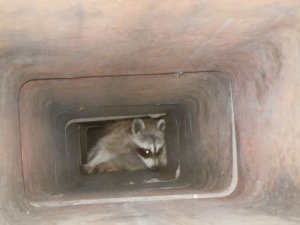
224, 76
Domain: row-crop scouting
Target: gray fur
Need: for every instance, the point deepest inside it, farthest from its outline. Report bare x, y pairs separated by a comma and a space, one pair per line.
123, 140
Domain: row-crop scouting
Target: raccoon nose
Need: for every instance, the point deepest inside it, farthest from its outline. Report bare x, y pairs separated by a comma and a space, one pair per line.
154, 168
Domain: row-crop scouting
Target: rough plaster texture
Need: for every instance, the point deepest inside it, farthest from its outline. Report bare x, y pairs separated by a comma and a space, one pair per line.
199, 104
255, 43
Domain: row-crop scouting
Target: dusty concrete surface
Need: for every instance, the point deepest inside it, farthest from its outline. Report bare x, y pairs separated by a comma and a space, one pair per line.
172, 212
255, 43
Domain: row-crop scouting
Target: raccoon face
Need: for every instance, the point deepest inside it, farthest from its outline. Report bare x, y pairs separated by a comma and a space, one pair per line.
150, 141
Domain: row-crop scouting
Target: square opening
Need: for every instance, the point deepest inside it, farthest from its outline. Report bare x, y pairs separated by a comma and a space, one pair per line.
92, 130
66, 112
88, 131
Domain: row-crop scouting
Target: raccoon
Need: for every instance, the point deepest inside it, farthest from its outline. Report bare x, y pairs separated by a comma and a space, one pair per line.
129, 145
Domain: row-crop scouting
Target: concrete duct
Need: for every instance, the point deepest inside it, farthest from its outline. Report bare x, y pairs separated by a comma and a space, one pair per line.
224, 75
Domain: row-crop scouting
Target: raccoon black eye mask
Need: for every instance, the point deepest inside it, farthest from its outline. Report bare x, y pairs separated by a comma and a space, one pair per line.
145, 153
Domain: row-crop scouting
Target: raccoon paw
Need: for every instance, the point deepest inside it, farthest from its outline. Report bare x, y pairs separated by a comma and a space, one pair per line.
87, 168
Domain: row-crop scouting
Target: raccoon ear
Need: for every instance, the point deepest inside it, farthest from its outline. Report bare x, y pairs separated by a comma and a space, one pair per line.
137, 126
161, 124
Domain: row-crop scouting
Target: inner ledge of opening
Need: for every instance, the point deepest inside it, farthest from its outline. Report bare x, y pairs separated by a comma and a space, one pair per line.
93, 134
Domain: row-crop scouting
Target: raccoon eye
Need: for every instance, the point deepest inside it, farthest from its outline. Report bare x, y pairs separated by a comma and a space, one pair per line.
145, 153
158, 152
